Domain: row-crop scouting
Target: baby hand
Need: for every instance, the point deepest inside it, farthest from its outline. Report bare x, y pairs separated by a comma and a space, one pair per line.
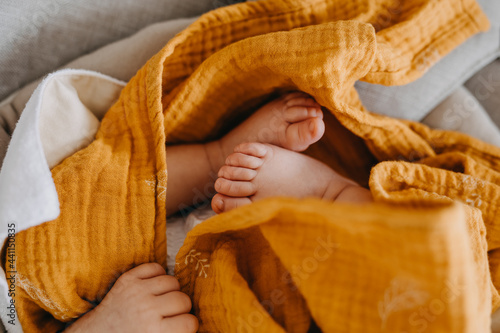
143, 299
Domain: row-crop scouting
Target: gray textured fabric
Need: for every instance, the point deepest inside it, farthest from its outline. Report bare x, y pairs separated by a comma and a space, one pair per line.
38, 36
8, 120
120, 60
462, 112
414, 100
485, 86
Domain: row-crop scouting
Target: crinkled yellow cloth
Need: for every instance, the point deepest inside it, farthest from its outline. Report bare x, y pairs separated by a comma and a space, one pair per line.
414, 261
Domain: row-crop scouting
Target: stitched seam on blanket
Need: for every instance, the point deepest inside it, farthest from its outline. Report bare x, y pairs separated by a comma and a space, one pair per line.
487, 207
42, 296
417, 184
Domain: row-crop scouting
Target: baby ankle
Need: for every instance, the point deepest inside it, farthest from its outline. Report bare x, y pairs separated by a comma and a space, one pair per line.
215, 155
355, 194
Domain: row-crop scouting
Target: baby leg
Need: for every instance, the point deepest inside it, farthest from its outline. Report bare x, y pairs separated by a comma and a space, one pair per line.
293, 121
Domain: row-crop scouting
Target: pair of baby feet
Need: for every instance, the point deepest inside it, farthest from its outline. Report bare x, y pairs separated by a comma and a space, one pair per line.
263, 158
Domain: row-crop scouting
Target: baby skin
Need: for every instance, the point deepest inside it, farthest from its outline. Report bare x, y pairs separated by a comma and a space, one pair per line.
255, 171
256, 160
293, 122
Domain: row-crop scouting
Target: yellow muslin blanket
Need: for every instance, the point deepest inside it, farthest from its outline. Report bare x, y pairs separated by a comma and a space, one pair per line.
424, 257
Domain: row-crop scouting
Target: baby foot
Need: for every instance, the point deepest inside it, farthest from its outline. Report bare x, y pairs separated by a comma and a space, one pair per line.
256, 171
294, 121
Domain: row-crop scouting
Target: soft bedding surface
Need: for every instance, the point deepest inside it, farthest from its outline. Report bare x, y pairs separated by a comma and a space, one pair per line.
39, 36
153, 110
133, 52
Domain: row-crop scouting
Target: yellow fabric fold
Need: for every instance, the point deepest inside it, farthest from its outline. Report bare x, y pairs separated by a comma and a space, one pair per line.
360, 269
414, 261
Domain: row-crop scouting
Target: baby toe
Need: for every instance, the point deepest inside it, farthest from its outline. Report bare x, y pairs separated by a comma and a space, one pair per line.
237, 173
252, 148
294, 94
304, 100
299, 113
218, 203
222, 203
234, 188
244, 161
315, 128
301, 135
